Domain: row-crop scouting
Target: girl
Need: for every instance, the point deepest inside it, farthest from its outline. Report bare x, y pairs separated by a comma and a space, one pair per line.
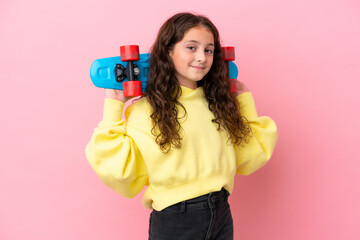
186, 138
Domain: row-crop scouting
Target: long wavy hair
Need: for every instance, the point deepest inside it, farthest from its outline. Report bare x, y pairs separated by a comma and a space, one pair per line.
163, 89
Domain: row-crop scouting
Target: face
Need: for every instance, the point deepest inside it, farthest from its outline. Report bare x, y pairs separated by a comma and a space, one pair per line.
193, 56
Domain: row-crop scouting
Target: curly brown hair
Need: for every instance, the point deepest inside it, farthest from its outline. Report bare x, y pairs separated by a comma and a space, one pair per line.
163, 89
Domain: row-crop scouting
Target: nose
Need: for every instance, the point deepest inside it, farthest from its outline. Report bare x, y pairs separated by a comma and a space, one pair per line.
200, 56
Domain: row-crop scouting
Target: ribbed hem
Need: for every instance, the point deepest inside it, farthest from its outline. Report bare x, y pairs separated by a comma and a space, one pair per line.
113, 110
160, 198
247, 105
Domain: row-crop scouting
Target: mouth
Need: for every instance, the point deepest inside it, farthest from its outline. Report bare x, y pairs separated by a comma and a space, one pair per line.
198, 67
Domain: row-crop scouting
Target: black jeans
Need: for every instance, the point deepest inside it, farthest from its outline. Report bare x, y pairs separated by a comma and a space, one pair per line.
207, 217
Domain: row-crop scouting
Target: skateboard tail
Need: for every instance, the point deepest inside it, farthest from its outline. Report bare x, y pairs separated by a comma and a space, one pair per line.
233, 70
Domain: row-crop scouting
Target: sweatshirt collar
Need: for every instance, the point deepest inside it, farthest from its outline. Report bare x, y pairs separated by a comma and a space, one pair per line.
191, 92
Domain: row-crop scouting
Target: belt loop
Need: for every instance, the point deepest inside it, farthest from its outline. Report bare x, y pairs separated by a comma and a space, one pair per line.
182, 208
211, 200
227, 193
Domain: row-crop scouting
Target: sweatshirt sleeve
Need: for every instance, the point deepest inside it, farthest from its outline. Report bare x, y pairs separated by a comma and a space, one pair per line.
257, 151
114, 156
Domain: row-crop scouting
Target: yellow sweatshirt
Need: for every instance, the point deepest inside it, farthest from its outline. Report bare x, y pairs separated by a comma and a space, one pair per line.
126, 157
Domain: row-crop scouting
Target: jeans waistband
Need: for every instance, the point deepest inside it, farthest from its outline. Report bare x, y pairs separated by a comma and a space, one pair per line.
201, 202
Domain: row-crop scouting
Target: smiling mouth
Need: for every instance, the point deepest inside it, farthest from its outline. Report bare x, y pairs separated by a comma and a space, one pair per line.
198, 67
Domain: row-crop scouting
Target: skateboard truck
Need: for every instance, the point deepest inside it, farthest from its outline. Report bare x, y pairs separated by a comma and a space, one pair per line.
129, 53
229, 55
131, 72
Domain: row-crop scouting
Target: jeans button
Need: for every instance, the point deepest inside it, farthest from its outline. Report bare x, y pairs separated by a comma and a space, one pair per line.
213, 199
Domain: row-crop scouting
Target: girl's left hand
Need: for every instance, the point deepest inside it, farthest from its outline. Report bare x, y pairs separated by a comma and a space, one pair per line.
241, 87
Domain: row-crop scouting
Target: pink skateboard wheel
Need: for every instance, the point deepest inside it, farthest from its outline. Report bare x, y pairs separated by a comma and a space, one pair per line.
228, 53
132, 88
129, 53
233, 85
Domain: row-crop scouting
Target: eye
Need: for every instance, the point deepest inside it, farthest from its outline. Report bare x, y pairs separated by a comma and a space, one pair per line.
192, 48
209, 51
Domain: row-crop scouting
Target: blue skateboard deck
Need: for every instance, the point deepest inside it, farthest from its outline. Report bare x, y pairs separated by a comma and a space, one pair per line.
102, 71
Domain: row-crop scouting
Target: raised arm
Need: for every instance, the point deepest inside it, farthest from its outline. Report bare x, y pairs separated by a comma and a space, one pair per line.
254, 154
114, 155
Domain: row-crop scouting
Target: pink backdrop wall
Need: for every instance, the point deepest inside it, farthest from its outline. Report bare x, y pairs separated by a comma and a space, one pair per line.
301, 61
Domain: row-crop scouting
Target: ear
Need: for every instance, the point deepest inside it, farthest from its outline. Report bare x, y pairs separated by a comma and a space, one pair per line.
171, 52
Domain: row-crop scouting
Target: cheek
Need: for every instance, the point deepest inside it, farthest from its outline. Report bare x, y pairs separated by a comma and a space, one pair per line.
182, 61
211, 61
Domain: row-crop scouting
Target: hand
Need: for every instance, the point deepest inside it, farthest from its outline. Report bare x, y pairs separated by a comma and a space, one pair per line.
241, 88
116, 94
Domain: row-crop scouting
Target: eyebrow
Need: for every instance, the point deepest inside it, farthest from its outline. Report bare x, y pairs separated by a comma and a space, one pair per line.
194, 41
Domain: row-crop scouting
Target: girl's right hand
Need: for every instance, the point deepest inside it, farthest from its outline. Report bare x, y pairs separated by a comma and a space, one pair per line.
116, 94
241, 88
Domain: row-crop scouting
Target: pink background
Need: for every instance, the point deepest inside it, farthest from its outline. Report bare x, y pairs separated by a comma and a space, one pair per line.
301, 59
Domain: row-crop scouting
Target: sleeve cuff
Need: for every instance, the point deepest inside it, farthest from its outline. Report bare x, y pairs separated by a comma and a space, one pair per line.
113, 110
247, 105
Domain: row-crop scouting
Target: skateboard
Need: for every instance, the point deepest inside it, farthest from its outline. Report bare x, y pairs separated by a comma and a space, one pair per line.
129, 72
